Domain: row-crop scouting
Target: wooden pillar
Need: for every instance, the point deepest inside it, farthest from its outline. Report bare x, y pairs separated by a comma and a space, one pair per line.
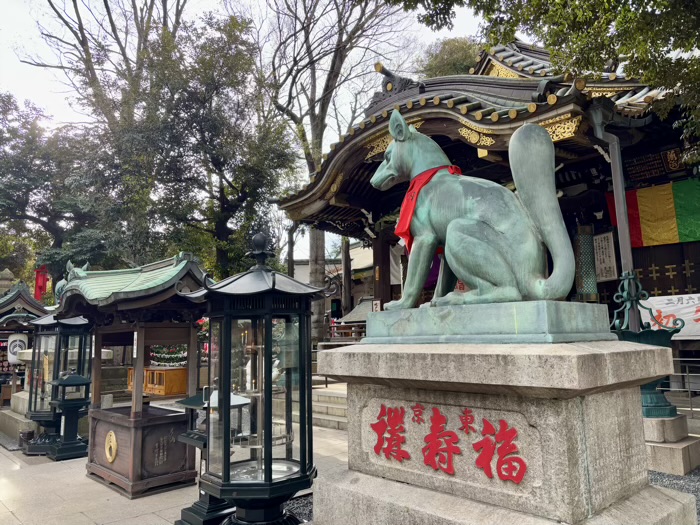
382, 267
346, 299
97, 371
192, 362
137, 392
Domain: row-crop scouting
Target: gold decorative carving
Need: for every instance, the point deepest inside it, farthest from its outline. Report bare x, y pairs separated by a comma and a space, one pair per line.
599, 93
334, 187
468, 124
377, 144
476, 138
111, 446
562, 127
606, 91
497, 70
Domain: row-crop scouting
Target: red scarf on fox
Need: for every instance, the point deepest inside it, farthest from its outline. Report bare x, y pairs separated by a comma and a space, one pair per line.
408, 206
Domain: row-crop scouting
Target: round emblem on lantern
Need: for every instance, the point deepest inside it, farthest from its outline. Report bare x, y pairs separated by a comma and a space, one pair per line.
111, 446
15, 344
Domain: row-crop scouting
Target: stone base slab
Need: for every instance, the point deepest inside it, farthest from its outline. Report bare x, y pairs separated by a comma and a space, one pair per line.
497, 323
19, 402
677, 458
563, 370
581, 454
665, 429
352, 498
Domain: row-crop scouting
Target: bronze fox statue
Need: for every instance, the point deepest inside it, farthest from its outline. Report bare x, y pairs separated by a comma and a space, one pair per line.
494, 240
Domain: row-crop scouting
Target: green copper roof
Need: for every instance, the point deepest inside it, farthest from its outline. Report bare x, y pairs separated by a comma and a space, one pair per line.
105, 287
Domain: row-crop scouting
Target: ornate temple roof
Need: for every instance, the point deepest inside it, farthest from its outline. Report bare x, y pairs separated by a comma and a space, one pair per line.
105, 288
471, 116
18, 300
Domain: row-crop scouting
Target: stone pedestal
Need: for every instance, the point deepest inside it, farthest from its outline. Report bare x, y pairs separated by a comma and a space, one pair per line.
533, 433
669, 448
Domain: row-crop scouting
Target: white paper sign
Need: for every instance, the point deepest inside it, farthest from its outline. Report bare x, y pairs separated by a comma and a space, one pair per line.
605, 260
667, 308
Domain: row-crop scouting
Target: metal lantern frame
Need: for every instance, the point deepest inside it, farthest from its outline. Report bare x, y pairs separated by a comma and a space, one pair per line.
53, 337
73, 396
262, 298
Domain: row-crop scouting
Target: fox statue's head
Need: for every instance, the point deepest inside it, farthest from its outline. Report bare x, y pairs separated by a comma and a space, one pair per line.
409, 154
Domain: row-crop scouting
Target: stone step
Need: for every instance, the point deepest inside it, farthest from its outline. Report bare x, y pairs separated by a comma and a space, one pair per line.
332, 409
326, 421
326, 396
113, 384
118, 395
114, 372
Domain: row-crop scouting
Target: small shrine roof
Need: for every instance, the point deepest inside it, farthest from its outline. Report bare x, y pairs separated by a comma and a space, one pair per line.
19, 298
103, 288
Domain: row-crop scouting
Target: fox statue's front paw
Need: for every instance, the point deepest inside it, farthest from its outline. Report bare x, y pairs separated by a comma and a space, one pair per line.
397, 305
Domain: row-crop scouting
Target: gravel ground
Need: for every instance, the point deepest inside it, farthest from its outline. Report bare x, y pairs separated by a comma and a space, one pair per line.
302, 507
689, 483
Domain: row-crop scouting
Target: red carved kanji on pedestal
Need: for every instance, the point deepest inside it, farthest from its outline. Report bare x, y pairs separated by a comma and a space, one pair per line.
441, 444
391, 421
467, 420
418, 413
509, 467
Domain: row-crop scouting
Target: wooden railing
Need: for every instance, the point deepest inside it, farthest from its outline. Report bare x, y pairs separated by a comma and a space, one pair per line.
348, 332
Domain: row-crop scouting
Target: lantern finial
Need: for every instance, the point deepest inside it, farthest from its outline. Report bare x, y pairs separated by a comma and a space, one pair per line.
259, 251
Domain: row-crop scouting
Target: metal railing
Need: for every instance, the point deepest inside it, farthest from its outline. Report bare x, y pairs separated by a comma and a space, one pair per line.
683, 384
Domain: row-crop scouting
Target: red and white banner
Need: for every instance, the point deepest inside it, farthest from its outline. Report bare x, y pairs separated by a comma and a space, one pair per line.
668, 308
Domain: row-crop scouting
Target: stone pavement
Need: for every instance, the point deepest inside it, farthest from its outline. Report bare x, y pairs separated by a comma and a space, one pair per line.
38, 491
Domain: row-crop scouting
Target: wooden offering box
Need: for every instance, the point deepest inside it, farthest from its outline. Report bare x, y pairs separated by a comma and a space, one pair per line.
162, 381
141, 456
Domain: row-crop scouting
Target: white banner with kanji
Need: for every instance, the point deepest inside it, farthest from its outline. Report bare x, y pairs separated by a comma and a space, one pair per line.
667, 308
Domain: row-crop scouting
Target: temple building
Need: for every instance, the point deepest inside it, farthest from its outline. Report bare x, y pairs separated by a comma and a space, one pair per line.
610, 147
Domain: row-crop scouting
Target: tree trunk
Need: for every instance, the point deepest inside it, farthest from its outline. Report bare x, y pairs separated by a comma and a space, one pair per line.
290, 248
346, 301
317, 274
222, 234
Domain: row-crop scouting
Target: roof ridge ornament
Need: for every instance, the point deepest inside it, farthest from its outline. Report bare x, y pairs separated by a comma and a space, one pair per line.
260, 252
392, 83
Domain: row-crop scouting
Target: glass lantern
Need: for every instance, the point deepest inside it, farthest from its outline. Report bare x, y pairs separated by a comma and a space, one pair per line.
59, 346
259, 450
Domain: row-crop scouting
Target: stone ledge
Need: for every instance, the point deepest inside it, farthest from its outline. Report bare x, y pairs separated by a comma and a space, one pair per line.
11, 424
497, 323
562, 370
352, 498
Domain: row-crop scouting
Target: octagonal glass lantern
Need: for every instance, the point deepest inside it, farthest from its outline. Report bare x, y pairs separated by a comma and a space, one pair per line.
60, 345
259, 450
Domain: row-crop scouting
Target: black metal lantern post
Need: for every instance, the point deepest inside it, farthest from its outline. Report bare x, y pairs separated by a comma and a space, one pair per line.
73, 396
258, 456
59, 346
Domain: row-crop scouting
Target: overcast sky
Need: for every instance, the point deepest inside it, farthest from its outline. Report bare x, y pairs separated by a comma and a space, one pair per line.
19, 37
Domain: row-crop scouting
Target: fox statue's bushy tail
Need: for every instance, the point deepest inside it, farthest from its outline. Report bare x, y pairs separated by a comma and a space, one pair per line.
531, 155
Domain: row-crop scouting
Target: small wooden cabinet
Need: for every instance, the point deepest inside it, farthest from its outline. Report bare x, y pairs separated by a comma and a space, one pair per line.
162, 381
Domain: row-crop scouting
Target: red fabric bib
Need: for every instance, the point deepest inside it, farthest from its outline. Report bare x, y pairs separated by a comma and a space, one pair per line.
408, 206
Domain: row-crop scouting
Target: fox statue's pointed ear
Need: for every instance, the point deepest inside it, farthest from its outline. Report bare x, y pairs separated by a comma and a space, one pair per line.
398, 127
